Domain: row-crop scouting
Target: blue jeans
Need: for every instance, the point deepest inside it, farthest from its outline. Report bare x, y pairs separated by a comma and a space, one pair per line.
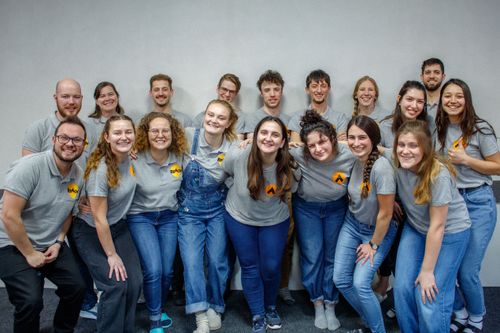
318, 225
354, 280
259, 250
413, 314
483, 214
202, 235
155, 238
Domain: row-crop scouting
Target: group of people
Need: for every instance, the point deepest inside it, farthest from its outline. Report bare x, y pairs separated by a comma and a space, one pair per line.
406, 192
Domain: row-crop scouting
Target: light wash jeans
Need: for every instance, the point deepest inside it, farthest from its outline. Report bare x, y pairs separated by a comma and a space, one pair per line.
353, 279
431, 317
482, 208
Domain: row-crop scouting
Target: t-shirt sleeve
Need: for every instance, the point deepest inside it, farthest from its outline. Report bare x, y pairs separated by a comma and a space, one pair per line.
441, 189
97, 183
384, 177
22, 178
294, 124
342, 125
230, 159
487, 142
32, 138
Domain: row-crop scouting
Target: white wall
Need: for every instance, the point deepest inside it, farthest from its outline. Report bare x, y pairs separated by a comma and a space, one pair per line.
42, 41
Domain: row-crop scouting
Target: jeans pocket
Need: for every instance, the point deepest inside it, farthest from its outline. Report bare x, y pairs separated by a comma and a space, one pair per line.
480, 196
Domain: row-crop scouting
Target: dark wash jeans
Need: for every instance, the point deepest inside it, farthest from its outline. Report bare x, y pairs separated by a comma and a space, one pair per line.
24, 286
117, 305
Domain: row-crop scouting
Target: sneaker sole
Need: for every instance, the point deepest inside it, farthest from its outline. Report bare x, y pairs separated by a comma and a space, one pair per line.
274, 327
88, 316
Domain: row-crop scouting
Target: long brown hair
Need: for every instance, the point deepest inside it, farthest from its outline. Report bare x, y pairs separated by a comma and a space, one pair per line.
430, 165
97, 92
468, 123
103, 149
284, 168
179, 142
370, 127
397, 116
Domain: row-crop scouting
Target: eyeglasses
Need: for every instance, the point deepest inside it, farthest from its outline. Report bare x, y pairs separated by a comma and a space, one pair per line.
64, 139
157, 131
227, 91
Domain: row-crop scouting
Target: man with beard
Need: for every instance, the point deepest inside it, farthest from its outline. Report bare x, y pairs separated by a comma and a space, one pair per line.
270, 85
161, 92
41, 191
318, 89
432, 76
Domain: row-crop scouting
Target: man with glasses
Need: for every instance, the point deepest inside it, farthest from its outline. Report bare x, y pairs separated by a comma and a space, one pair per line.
41, 191
227, 90
161, 92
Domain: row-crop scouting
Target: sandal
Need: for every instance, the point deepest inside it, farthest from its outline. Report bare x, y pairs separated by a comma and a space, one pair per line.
460, 327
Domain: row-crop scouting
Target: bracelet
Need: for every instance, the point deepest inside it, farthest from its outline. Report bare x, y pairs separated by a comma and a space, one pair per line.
60, 242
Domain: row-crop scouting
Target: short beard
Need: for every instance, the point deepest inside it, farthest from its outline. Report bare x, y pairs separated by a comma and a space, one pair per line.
434, 88
66, 160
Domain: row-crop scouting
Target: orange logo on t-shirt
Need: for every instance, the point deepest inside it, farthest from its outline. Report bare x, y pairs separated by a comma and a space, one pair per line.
456, 144
271, 190
176, 170
220, 158
73, 190
367, 185
131, 170
339, 178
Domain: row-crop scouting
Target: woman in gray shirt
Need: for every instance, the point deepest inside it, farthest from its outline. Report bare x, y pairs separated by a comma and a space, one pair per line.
319, 208
257, 216
435, 234
471, 145
152, 217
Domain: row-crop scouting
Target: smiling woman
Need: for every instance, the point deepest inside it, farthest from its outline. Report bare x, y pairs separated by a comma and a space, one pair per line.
102, 238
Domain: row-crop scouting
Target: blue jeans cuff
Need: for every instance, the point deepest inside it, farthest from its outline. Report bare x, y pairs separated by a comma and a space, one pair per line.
196, 307
218, 308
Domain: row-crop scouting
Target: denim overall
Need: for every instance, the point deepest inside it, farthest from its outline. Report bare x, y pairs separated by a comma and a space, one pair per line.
202, 234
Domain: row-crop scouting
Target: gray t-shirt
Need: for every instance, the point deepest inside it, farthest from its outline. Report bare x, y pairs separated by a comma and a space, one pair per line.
337, 119
209, 158
382, 181
119, 198
387, 136
240, 123
157, 185
324, 181
479, 146
182, 118
38, 137
50, 197
379, 113
253, 119
268, 209
443, 192
432, 109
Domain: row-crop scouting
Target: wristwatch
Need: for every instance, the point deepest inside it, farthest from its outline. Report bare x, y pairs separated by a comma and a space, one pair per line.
60, 242
373, 245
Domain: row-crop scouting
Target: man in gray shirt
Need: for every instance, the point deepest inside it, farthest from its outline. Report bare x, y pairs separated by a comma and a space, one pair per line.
161, 92
41, 191
270, 85
318, 88
432, 76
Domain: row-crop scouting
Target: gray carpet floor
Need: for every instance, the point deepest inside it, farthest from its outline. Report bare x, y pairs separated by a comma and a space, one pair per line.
296, 318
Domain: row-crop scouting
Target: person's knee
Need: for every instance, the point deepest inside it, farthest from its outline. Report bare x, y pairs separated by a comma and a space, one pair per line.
30, 306
342, 281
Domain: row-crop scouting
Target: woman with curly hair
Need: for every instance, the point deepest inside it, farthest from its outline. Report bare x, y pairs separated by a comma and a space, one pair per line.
368, 230
257, 216
152, 218
435, 234
319, 207
202, 232
102, 237
470, 144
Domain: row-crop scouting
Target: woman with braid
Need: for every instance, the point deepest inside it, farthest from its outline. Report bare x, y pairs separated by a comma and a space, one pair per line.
319, 208
368, 230
365, 96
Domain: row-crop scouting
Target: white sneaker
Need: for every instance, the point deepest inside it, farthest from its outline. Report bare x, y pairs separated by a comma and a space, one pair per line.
90, 313
201, 323
331, 318
214, 319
